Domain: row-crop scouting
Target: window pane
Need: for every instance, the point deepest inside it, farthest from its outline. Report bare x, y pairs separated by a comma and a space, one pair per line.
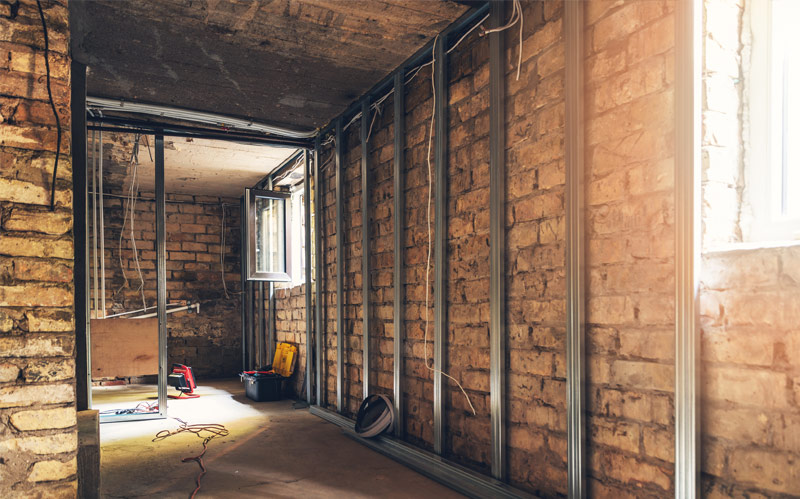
785, 104
269, 235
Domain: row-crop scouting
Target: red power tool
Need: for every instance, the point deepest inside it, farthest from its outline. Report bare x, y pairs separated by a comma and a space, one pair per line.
182, 378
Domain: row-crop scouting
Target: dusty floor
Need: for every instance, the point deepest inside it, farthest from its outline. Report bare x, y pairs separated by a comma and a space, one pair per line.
272, 450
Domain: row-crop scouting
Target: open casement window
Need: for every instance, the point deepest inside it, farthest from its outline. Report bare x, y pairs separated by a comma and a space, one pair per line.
773, 171
268, 235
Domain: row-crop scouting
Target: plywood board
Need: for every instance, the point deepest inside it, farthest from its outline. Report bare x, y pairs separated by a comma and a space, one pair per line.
124, 347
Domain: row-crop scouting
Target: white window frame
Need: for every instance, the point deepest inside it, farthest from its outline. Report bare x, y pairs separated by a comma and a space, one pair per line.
764, 177
297, 245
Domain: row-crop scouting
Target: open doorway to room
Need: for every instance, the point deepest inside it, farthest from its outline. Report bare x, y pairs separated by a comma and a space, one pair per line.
203, 182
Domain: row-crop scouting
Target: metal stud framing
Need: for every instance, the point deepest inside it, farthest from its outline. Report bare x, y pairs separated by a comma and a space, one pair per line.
83, 385
318, 261
339, 270
307, 224
161, 274
243, 245
399, 210
260, 329
440, 246
688, 34
497, 245
270, 329
576, 456
365, 272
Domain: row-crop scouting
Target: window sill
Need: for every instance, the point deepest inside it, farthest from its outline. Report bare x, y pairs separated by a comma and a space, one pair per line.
749, 246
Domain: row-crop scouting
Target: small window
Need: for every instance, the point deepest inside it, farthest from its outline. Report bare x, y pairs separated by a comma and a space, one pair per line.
773, 177
267, 235
298, 243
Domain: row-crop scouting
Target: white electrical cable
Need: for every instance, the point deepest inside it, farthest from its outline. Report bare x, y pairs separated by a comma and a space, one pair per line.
516, 16
428, 263
222, 253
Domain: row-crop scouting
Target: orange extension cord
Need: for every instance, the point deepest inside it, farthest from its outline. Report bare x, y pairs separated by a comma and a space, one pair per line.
216, 430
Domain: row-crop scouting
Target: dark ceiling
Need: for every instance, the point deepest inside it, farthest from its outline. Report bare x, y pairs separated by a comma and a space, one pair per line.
292, 63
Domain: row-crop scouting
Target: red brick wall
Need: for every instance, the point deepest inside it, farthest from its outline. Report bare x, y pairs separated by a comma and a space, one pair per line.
290, 327
535, 286
750, 413
38, 435
535, 234
630, 254
211, 341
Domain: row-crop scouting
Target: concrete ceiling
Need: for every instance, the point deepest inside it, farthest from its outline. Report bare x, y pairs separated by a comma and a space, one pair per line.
198, 167
292, 63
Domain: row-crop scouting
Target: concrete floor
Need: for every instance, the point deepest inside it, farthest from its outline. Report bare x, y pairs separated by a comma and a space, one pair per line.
272, 450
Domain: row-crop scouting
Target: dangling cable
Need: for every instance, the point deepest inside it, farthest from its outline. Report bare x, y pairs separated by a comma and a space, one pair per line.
52, 106
222, 253
428, 211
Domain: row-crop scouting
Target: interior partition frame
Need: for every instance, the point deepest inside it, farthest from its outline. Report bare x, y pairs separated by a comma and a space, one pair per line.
161, 273
575, 248
399, 242
365, 268
440, 240
339, 270
80, 200
497, 295
688, 77
318, 261
307, 225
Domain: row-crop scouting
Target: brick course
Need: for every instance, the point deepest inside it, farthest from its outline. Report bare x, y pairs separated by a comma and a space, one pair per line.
38, 434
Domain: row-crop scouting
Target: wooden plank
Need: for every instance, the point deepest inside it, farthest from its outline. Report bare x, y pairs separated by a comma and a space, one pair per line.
124, 347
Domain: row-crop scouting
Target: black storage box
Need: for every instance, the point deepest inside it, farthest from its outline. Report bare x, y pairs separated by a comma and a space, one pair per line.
263, 387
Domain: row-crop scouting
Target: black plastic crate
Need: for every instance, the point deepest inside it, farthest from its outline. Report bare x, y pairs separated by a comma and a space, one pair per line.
263, 387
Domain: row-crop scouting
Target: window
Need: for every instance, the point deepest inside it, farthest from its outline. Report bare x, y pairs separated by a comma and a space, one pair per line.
267, 235
773, 170
298, 231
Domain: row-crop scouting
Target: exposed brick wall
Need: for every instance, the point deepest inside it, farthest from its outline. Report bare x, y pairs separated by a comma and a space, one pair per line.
381, 250
630, 254
722, 147
211, 341
290, 327
535, 285
38, 435
535, 257
750, 413
750, 410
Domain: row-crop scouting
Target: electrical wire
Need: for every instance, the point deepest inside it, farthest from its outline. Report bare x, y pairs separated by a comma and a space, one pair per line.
52, 105
516, 16
222, 253
215, 430
134, 157
428, 212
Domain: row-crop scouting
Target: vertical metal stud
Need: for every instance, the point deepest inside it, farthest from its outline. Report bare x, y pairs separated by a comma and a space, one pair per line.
243, 301
575, 273
251, 350
688, 36
271, 307
365, 276
260, 329
399, 243
101, 230
307, 235
83, 385
440, 246
319, 265
497, 245
161, 273
339, 270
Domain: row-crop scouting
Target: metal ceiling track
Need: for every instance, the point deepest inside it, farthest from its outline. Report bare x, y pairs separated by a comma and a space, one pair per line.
130, 125
216, 120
